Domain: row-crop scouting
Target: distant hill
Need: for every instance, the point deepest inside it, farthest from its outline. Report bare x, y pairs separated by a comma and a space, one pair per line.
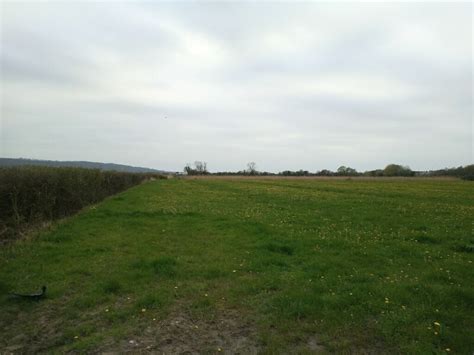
6, 162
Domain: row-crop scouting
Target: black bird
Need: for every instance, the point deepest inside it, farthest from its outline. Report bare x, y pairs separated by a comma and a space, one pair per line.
34, 296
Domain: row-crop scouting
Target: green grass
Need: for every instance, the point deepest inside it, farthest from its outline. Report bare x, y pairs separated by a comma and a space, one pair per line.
363, 265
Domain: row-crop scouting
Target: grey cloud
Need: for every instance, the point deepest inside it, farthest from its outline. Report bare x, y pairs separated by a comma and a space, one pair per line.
289, 85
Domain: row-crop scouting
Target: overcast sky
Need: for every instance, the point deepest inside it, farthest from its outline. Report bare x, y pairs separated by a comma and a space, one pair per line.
287, 85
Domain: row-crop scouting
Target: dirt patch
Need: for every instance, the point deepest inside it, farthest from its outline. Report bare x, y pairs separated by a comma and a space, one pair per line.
34, 339
314, 345
226, 332
180, 333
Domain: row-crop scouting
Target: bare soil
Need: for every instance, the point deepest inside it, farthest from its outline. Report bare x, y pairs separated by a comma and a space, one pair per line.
180, 333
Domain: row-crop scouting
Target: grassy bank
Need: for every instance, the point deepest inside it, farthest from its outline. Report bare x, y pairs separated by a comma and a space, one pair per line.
31, 196
251, 265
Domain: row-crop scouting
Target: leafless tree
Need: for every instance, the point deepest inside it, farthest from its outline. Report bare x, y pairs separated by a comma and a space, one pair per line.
200, 168
251, 168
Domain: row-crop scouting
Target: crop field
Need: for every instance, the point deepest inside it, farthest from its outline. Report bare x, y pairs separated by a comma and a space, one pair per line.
251, 266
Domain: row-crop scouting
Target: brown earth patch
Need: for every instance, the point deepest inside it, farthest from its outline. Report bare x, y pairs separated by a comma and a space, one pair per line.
223, 331
181, 333
43, 334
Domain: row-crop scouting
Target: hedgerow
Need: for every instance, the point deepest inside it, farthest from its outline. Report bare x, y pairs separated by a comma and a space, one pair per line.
33, 195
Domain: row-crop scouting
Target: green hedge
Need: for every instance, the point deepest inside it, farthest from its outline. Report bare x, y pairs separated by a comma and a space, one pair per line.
32, 195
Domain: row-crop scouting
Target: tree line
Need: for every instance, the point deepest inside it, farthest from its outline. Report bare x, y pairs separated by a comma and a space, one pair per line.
391, 170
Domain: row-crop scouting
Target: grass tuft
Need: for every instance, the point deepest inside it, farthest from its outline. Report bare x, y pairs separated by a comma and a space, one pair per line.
112, 286
281, 249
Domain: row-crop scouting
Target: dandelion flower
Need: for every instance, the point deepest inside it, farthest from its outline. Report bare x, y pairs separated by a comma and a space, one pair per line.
436, 323
143, 310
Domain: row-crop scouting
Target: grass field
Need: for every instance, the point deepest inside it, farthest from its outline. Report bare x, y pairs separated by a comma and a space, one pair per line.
252, 266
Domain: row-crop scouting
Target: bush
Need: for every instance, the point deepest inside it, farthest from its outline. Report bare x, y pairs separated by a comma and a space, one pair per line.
31, 195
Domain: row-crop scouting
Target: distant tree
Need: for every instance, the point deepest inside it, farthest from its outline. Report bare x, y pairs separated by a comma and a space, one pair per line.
200, 168
374, 173
325, 172
302, 172
351, 172
463, 172
346, 171
251, 168
341, 170
188, 170
466, 173
397, 170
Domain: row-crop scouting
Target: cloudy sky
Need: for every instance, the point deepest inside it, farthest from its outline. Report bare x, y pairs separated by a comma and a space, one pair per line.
287, 85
